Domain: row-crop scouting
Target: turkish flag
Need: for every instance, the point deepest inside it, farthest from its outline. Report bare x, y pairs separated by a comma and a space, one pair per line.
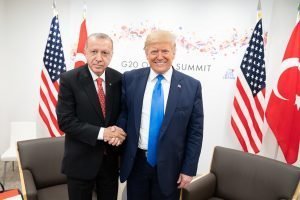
283, 110
80, 58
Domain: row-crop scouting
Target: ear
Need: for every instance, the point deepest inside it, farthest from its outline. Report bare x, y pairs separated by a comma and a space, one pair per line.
146, 52
174, 49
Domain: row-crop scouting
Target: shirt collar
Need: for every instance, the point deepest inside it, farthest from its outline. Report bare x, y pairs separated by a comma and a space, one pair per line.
167, 75
95, 76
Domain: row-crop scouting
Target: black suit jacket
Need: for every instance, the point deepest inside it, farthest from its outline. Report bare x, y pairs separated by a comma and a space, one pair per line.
80, 117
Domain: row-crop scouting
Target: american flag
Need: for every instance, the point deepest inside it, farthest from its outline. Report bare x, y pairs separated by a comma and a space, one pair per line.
247, 118
54, 65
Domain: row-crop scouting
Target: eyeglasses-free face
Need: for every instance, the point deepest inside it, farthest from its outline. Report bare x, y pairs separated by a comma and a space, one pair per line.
98, 54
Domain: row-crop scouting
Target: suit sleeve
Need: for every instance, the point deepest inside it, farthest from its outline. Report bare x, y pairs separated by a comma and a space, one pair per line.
66, 115
194, 136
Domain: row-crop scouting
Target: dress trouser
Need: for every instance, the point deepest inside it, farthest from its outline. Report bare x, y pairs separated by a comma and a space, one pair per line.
142, 184
105, 184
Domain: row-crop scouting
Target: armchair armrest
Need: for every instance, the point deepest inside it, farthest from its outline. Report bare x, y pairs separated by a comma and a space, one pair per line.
31, 191
297, 193
201, 188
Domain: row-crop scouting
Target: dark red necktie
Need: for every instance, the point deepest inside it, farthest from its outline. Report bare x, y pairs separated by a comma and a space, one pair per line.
101, 95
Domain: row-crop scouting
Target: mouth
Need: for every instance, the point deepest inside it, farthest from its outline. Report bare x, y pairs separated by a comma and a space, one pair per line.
160, 63
98, 67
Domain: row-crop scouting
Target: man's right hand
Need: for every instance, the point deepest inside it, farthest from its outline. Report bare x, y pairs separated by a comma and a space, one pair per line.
114, 135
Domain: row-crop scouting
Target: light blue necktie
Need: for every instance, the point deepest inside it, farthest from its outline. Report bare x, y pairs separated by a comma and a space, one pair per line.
156, 119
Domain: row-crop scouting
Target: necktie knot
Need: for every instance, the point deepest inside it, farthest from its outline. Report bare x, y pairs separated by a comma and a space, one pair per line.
99, 81
159, 78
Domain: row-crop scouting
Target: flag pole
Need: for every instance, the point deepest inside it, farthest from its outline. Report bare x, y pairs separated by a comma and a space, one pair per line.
259, 12
277, 147
259, 16
276, 150
298, 14
55, 13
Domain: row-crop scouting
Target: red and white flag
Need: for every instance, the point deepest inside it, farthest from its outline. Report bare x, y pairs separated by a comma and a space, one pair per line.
54, 65
283, 110
79, 57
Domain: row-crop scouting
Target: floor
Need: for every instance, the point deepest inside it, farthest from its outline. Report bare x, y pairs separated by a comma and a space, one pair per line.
12, 179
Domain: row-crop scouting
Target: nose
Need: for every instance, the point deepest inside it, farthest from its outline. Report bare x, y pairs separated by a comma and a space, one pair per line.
99, 57
160, 55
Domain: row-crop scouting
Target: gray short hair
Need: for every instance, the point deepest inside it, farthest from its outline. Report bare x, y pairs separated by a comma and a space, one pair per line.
99, 36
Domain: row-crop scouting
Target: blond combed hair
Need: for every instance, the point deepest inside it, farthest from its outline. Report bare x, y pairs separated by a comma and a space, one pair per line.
160, 36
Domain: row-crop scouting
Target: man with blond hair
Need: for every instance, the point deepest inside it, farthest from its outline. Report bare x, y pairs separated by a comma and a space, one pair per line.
162, 114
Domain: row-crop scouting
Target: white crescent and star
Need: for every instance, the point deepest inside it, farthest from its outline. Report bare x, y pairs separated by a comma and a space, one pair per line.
286, 64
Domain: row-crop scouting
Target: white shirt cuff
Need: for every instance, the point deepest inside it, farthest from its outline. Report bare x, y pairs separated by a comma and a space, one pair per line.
100, 135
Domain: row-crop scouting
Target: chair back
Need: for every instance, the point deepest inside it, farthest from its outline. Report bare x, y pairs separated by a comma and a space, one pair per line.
245, 176
43, 157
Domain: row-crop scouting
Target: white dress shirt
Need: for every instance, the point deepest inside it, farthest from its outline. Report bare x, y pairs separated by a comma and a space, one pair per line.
95, 77
146, 109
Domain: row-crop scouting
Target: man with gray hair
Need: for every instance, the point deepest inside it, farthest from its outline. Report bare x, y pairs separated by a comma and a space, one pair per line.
88, 107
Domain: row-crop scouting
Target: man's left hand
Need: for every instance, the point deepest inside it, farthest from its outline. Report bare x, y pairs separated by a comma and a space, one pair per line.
184, 180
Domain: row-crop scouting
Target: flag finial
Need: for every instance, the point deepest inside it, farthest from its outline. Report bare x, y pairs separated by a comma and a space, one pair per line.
259, 12
84, 9
54, 8
298, 14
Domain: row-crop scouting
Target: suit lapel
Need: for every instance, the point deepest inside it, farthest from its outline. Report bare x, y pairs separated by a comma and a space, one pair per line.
88, 85
141, 81
174, 94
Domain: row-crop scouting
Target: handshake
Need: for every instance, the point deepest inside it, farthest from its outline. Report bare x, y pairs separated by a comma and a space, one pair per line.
114, 135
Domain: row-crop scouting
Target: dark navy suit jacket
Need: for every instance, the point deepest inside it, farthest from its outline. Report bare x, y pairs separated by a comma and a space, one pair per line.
181, 133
